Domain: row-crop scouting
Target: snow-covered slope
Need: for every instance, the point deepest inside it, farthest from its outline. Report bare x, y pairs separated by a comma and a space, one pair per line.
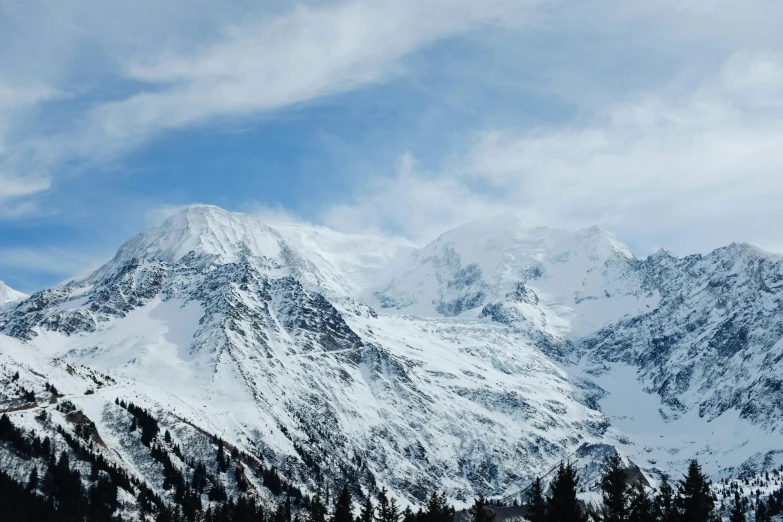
471, 364
239, 328
8, 295
553, 285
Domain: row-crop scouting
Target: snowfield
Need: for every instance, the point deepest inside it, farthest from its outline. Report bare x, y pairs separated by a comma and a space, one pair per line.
472, 364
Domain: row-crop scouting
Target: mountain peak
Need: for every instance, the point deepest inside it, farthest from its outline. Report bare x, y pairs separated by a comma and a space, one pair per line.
599, 237
508, 231
203, 229
8, 294
663, 253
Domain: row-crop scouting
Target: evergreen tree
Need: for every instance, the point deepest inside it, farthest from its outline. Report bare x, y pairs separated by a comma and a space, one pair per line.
737, 511
217, 492
438, 509
480, 512
221, 458
536, 502
695, 500
640, 507
46, 447
664, 504
387, 510
367, 513
762, 512
199, 481
32, 482
614, 483
279, 515
394, 513
239, 477
316, 511
342, 508
563, 506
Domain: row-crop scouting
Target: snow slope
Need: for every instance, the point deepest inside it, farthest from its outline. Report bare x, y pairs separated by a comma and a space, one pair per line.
8, 295
471, 364
580, 280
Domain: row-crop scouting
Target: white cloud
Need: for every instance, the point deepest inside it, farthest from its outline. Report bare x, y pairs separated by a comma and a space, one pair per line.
416, 204
157, 214
260, 65
12, 186
303, 55
15, 103
272, 214
689, 155
693, 170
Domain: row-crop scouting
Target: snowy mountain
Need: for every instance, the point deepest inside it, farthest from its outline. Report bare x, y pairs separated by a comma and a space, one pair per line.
471, 364
8, 295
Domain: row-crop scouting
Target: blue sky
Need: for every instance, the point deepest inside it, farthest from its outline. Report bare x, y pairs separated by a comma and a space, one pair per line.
660, 121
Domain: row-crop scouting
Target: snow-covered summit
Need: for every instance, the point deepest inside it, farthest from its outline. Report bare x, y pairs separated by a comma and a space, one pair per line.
483, 262
478, 360
8, 294
202, 229
263, 335
508, 235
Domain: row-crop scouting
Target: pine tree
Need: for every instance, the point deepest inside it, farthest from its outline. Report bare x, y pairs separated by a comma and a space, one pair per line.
737, 511
664, 504
614, 483
536, 503
221, 458
368, 510
563, 506
316, 510
762, 512
480, 512
438, 509
640, 507
46, 447
342, 508
394, 513
387, 510
32, 482
279, 515
695, 500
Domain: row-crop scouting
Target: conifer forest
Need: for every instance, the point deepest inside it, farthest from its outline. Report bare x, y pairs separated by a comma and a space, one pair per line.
57, 490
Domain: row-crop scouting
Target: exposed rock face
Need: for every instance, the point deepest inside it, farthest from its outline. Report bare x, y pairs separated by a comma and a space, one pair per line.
471, 364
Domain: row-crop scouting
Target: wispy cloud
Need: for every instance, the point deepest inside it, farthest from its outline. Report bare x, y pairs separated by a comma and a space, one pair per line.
263, 64
668, 132
705, 160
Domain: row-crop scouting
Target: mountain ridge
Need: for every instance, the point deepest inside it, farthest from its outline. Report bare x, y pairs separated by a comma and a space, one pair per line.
9, 295
481, 358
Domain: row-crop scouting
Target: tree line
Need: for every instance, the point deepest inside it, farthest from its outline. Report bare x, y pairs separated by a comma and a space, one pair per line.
690, 500
56, 491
